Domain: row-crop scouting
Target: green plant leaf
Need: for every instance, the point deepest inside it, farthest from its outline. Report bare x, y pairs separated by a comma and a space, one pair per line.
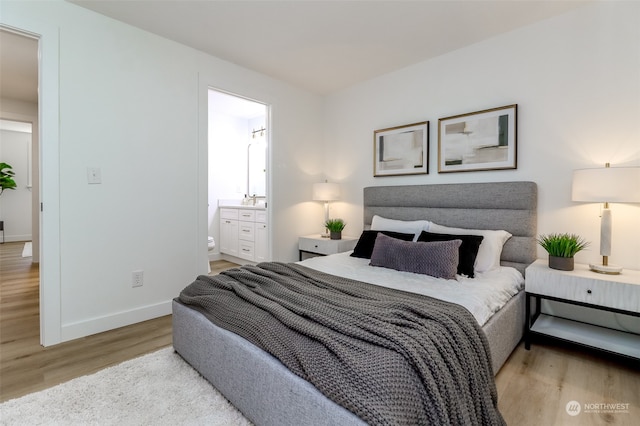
335, 225
6, 177
562, 245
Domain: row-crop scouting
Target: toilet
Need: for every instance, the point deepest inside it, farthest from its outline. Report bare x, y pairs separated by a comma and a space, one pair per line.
211, 244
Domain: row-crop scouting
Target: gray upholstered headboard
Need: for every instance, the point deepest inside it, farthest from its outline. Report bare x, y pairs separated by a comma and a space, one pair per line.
511, 206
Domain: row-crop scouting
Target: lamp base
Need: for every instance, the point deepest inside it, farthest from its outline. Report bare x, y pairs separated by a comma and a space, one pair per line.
606, 269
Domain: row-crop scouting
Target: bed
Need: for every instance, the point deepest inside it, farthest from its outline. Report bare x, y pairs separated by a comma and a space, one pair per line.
268, 393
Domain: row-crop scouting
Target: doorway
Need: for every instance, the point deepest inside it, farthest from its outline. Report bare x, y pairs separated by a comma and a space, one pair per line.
238, 152
20, 147
19, 95
16, 202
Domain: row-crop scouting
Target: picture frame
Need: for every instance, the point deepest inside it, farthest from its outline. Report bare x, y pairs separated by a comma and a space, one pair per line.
401, 150
482, 140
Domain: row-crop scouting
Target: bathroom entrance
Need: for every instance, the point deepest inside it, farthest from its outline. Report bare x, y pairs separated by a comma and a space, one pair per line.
238, 141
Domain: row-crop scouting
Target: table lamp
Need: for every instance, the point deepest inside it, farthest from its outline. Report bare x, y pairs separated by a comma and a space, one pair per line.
326, 192
606, 185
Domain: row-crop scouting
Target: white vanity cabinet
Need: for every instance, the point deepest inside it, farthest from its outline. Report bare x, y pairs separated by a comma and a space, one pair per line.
246, 234
229, 242
261, 247
243, 233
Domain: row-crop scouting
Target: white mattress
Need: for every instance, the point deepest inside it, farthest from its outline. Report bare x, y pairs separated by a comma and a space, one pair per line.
483, 295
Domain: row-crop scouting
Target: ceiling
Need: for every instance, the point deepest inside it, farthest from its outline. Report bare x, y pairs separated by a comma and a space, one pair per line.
324, 46
320, 46
18, 67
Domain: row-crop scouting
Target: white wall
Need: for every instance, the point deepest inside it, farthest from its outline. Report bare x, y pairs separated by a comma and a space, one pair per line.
134, 105
15, 205
575, 80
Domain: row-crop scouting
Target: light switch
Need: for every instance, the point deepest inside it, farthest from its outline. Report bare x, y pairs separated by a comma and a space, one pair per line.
94, 175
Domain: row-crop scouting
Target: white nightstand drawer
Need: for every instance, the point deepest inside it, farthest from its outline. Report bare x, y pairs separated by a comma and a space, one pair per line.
247, 215
315, 245
585, 286
247, 231
319, 245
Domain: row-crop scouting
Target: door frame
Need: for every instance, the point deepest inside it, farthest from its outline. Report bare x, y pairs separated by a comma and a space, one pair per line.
48, 38
204, 158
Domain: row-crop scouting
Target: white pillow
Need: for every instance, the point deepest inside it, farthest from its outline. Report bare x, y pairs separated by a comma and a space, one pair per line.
490, 249
415, 227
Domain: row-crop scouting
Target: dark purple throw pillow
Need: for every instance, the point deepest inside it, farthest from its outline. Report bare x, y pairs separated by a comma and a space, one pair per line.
438, 258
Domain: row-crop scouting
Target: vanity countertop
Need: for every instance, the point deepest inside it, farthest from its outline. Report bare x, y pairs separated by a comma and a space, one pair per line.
259, 206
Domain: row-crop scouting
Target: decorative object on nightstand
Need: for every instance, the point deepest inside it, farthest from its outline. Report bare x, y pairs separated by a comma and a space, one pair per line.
606, 185
326, 192
562, 248
335, 227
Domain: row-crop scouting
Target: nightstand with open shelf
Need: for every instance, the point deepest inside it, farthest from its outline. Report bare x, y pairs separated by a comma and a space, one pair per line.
582, 287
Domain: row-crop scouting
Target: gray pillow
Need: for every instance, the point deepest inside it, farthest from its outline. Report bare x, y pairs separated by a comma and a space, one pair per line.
438, 258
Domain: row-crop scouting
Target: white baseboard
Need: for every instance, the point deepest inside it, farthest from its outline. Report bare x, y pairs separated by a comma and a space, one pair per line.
16, 238
236, 260
110, 322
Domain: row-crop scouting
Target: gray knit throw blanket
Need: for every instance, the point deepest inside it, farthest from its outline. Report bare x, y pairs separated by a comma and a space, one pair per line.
390, 357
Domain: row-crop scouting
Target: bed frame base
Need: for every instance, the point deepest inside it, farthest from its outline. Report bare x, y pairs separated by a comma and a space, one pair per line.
268, 393
255, 382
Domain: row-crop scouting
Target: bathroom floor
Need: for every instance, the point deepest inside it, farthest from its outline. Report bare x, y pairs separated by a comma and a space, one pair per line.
218, 266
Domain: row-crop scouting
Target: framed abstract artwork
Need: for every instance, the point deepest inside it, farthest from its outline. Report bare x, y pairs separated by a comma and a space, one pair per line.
402, 150
483, 140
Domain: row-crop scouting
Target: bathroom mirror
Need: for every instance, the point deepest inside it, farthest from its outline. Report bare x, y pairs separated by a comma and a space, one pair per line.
257, 169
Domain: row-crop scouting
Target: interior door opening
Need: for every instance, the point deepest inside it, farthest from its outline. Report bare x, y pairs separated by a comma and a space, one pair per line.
20, 146
238, 147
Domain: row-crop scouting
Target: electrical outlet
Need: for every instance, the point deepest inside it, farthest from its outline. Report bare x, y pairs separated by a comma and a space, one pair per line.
137, 278
94, 175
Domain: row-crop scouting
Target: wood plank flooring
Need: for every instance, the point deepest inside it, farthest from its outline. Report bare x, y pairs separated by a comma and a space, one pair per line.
26, 367
534, 386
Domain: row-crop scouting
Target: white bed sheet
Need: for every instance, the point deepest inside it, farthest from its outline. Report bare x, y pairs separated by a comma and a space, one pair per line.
483, 295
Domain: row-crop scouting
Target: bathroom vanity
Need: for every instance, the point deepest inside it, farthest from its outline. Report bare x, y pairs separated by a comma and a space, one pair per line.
243, 232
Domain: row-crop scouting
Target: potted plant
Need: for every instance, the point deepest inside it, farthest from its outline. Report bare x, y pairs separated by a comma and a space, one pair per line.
561, 249
335, 227
6, 177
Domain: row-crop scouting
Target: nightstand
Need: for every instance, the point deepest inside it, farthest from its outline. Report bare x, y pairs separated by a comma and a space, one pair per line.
315, 244
582, 287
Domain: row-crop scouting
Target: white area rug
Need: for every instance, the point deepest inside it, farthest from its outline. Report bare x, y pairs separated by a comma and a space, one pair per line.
26, 251
155, 389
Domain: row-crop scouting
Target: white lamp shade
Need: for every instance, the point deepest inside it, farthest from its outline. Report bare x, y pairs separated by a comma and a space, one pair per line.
607, 184
326, 191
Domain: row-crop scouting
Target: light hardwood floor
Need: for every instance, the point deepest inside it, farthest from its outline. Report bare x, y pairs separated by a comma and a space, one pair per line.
534, 386
26, 367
